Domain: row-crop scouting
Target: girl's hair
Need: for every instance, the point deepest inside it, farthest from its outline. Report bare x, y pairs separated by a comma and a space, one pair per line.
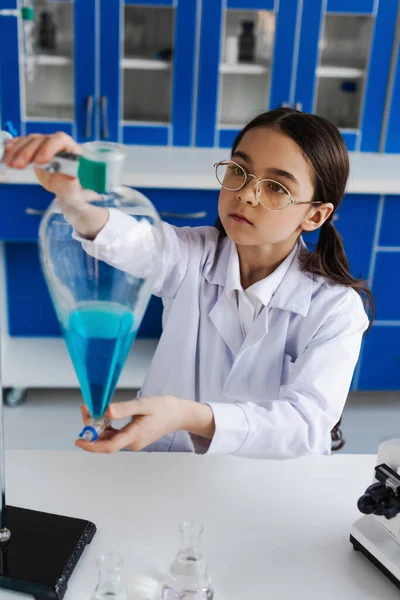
324, 149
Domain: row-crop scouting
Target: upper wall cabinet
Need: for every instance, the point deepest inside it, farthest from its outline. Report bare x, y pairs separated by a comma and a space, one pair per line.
391, 131
343, 65
246, 64
147, 71
56, 89
194, 72
119, 71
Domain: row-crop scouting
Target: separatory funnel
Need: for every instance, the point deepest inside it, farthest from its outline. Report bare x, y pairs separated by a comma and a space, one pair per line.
100, 306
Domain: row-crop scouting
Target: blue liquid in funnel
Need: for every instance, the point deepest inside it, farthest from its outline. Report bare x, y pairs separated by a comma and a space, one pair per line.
99, 336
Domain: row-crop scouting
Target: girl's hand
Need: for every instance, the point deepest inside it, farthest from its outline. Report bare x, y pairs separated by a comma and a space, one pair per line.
40, 149
152, 418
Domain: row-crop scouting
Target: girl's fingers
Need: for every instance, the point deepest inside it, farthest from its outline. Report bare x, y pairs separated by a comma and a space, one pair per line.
86, 416
16, 147
112, 443
11, 142
63, 186
27, 153
56, 143
108, 434
132, 408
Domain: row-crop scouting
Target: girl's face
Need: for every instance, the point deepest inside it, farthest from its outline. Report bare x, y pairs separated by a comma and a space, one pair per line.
270, 154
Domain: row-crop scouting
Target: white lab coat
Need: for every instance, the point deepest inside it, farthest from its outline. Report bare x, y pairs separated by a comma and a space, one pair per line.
275, 393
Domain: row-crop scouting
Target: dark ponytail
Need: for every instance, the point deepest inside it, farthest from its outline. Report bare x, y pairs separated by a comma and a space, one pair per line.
329, 260
325, 150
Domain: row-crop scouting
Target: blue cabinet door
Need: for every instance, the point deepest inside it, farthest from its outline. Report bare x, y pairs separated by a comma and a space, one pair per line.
58, 94
10, 113
391, 135
239, 79
343, 65
147, 71
380, 360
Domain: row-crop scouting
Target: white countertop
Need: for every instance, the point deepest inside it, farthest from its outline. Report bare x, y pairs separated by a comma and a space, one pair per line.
192, 168
272, 529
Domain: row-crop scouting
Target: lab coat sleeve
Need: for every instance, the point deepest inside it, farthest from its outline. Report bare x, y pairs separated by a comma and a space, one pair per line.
129, 245
311, 402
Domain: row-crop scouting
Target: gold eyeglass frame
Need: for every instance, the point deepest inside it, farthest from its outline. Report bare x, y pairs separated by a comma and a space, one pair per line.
247, 177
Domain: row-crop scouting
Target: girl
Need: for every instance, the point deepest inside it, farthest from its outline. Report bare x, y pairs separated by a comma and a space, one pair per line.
260, 337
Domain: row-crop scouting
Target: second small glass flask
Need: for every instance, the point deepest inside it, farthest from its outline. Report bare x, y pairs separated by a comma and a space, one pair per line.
109, 584
188, 577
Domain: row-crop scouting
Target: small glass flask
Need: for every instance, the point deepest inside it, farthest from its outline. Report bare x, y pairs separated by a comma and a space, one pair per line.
109, 586
188, 577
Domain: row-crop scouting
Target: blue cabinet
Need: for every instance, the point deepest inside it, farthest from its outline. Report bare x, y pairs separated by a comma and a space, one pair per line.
60, 94
147, 82
91, 85
329, 57
391, 134
380, 360
193, 72
386, 285
379, 367
343, 66
230, 90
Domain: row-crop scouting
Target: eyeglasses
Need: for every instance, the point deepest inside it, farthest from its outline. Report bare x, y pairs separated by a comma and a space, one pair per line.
271, 194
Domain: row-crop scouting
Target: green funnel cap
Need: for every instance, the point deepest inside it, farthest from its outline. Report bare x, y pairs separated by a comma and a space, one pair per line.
28, 13
101, 166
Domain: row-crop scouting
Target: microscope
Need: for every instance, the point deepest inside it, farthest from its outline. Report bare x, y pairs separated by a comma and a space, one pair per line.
377, 533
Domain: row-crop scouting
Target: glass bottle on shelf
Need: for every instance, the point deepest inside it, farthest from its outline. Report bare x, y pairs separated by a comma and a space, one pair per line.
348, 117
47, 31
28, 19
247, 42
188, 577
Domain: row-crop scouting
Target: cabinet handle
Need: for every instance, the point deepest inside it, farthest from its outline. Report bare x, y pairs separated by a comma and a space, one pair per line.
34, 211
196, 215
104, 117
89, 115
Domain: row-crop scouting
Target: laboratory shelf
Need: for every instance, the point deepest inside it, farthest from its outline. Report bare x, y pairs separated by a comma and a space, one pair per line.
148, 64
243, 69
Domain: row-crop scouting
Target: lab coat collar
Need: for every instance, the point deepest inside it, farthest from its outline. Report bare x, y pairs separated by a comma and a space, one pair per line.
294, 292
262, 290
216, 270
224, 315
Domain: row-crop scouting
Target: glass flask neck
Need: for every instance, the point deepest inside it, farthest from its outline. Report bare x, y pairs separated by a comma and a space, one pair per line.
109, 583
191, 539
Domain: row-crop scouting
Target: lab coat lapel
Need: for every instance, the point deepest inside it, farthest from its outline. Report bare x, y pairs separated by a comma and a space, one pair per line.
293, 295
224, 315
257, 331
